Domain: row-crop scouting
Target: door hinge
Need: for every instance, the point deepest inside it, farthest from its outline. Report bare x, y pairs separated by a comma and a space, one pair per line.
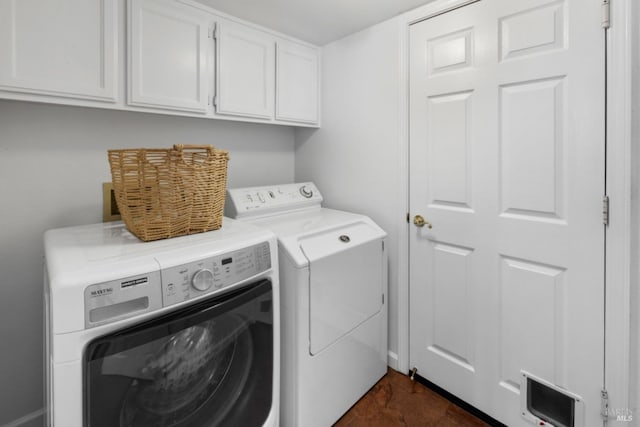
604, 404
214, 100
382, 299
408, 217
606, 14
605, 210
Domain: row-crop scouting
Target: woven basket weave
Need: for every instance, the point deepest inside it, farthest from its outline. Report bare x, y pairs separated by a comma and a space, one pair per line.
163, 193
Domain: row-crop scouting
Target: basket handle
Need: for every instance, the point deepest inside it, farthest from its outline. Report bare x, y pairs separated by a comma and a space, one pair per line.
181, 147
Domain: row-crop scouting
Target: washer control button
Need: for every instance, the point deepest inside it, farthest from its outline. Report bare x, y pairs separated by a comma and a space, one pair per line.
202, 280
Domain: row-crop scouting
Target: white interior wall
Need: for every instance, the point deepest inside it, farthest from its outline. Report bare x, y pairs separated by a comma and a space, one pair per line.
354, 157
52, 164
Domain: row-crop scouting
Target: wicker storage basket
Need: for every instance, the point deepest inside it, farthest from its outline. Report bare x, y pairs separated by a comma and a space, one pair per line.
163, 193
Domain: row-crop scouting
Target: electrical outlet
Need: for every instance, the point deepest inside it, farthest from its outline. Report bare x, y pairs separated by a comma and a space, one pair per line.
110, 210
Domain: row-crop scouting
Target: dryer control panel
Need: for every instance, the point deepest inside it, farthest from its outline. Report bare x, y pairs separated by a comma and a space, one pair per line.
257, 201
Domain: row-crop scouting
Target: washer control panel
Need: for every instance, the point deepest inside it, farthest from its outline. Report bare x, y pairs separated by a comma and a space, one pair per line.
188, 281
255, 201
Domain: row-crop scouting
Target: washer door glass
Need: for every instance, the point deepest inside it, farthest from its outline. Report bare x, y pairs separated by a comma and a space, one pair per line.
206, 365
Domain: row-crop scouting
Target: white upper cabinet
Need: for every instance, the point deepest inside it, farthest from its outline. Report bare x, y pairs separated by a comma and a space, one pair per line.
297, 82
165, 56
64, 48
168, 56
245, 71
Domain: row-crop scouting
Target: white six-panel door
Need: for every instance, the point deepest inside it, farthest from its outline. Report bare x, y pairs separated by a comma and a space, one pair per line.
507, 164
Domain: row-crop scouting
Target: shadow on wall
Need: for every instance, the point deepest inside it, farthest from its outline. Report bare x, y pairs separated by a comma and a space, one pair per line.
303, 135
53, 161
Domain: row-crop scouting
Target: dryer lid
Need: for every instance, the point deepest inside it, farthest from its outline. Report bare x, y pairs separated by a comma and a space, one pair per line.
319, 231
346, 283
319, 245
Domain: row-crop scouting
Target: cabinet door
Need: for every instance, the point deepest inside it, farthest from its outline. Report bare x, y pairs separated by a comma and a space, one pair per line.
246, 69
297, 83
62, 48
167, 56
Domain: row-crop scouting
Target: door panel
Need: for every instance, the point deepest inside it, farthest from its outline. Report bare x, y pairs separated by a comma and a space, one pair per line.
168, 56
451, 328
345, 287
532, 179
507, 163
246, 71
296, 82
526, 290
531, 31
449, 126
62, 48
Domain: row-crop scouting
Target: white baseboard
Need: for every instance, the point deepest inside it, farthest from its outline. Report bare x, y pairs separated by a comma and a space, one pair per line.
392, 360
35, 418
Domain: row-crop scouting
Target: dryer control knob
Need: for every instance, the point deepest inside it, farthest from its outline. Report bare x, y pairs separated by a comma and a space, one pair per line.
202, 280
306, 193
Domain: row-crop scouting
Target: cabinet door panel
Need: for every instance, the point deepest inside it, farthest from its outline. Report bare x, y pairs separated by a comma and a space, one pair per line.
59, 47
246, 68
167, 56
297, 83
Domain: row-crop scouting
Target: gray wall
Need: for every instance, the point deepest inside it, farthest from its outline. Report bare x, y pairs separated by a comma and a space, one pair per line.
52, 165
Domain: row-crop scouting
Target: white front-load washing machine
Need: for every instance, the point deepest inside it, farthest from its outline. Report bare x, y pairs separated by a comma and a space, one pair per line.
181, 332
333, 287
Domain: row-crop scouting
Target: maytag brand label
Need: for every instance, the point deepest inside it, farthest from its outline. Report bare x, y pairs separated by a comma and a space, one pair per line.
121, 298
101, 292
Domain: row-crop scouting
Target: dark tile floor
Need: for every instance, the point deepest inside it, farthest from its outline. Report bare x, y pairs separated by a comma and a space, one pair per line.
397, 401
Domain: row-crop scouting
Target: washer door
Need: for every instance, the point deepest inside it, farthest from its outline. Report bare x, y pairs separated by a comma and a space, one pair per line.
208, 364
345, 282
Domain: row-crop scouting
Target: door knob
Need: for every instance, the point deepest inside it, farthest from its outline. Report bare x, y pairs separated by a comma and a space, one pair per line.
419, 221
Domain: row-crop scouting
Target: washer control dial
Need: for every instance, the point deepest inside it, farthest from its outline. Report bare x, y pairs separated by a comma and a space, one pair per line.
202, 280
306, 193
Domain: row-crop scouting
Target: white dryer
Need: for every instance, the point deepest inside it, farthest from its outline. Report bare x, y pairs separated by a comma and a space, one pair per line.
333, 284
